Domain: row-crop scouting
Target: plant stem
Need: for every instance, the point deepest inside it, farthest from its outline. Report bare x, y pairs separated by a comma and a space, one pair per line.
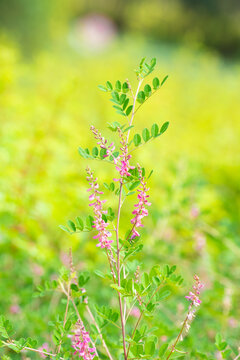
65, 315
35, 350
99, 332
180, 333
118, 274
117, 233
79, 318
141, 315
77, 312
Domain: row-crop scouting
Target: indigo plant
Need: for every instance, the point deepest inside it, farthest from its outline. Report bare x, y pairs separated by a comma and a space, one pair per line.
82, 331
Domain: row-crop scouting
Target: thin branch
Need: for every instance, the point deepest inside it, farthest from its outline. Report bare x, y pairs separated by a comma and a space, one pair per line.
129, 312
81, 322
65, 315
34, 350
99, 332
180, 333
141, 315
77, 312
147, 99
118, 274
117, 232
41, 352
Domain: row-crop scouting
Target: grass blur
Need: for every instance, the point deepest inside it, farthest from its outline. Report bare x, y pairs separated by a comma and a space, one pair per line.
47, 106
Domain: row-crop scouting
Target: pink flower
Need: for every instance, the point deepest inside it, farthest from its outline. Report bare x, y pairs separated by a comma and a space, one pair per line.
14, 309
44, 347
81, 343
122, 161
135, 312
193, 296
140, 212
99, 224
194, 213
103, 142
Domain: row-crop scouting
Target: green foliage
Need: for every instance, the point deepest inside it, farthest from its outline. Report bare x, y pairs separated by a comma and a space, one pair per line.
45, 117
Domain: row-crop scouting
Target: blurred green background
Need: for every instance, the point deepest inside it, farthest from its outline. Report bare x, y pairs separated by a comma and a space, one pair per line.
53, 54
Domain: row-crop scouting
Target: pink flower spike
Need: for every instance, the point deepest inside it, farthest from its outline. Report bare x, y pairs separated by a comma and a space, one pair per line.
97, 204
140, 211
102, 142
81, 343
193, 295
122, 161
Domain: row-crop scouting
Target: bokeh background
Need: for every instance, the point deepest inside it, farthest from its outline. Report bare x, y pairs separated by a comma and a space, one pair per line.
53, 54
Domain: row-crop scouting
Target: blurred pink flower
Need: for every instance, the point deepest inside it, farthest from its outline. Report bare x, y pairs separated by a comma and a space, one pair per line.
135, 312
37, 269
93, 32
44, 347
15, 309
200, 241
194, 213
194, 296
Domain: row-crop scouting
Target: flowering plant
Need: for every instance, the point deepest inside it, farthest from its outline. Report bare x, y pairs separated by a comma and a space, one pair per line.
81, 332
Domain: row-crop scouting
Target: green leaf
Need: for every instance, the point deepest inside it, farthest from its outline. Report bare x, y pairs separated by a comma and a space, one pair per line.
83, 153
129, 110
125, 87
112, 186
122, 98
218, 338
95, 151
118, 86
226, 353
120, 112
156, 83
64, 228
99, 273
103, 153
142, 62
150, 174
145, 279
128, 128
164, 79
3, 331
164, 127
163, 349
153, 62
146, 134
109, 85
222, 346
89, 222
154, 130
68, 325
141, 97
125, 103
137, 139
101, 87
150, 348
117, 107
119, 289
71, 225
134, 185
115, 95
164, 294
147, 90
74, 287
79, 223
